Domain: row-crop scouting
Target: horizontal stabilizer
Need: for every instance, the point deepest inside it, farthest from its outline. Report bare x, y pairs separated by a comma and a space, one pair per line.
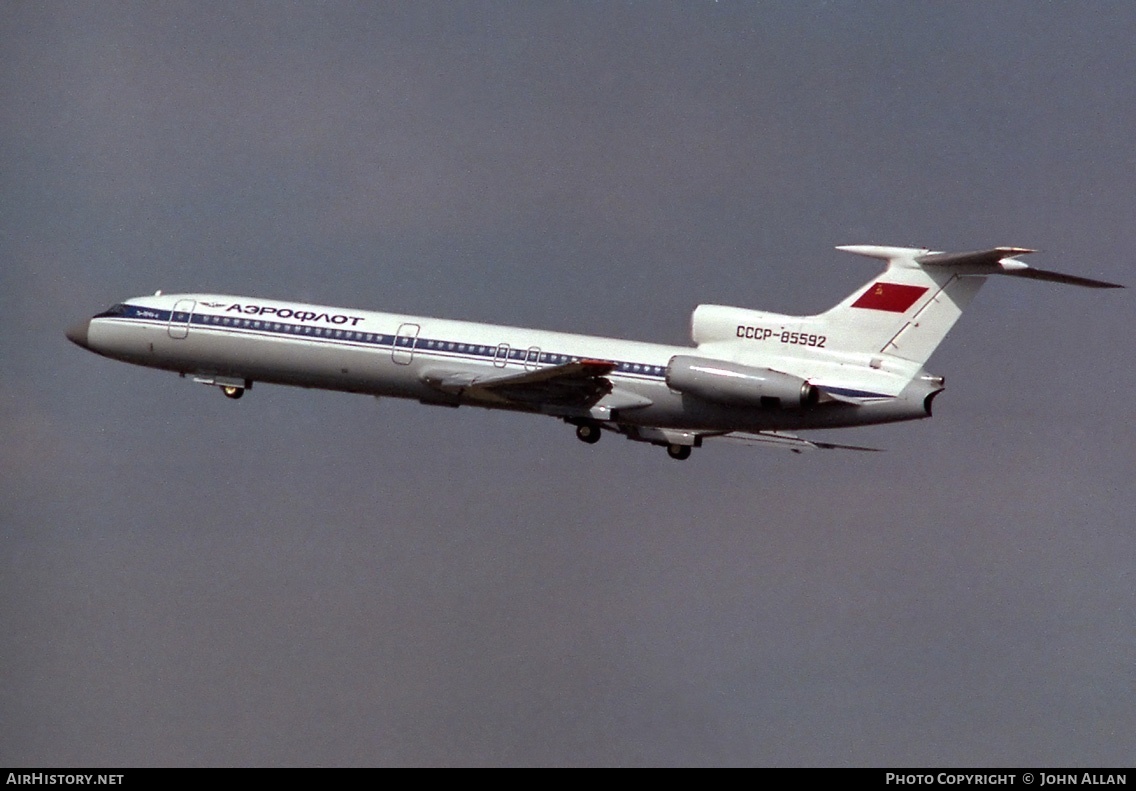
980, 258
1059, 277
1000, 261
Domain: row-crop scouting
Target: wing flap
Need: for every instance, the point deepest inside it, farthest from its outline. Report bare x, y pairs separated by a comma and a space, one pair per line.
576, 384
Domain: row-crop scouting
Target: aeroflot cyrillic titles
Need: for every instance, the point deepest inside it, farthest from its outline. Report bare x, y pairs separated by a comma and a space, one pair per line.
751, 375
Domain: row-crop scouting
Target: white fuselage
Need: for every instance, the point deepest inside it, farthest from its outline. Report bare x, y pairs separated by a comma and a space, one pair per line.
227, 340
750, 372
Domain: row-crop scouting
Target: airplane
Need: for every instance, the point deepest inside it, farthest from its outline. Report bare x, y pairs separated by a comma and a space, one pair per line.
751, 376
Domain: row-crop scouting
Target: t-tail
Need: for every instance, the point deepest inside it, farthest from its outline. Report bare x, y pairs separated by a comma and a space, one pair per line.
903, 313
908, 310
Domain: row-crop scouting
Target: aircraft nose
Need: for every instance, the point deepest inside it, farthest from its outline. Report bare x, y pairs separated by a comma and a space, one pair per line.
77, 333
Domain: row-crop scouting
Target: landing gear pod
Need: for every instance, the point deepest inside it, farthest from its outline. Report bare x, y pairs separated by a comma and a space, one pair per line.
724, 382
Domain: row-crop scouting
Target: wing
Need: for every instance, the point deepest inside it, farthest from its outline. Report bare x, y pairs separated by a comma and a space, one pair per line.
780, 439
694, 438
578, 384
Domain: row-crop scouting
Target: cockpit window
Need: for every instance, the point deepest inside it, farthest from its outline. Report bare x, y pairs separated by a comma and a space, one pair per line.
115, 310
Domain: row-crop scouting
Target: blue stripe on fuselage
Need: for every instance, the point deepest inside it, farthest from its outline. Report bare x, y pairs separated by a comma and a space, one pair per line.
434, 347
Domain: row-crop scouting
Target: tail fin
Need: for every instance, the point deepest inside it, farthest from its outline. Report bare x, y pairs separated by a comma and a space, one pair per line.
908, 310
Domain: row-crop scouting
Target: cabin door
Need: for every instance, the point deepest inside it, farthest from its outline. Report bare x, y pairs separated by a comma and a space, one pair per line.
180, 317
403, 351
532, 358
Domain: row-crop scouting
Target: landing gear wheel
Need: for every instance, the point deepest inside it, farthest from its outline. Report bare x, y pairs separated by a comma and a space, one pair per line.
679, 452
233, 392
588, 432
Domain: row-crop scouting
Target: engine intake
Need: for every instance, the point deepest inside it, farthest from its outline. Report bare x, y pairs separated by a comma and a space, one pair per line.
728, 383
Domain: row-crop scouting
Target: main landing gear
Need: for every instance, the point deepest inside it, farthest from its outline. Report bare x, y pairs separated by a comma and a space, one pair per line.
680, 452
589, 433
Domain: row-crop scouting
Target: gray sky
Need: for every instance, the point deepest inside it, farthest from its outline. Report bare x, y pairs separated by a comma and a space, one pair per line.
322, 579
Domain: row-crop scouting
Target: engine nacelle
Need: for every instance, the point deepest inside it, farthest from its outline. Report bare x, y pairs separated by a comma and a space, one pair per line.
724, 382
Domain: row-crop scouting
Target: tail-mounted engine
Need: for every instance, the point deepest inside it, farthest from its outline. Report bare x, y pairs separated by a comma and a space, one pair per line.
723, 382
